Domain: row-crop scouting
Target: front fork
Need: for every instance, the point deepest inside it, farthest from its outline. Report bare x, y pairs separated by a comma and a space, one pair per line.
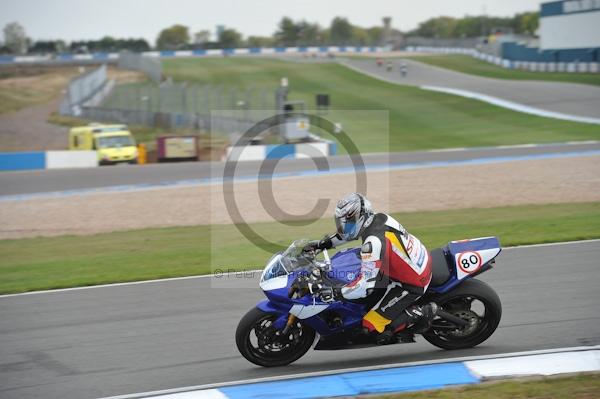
290, 322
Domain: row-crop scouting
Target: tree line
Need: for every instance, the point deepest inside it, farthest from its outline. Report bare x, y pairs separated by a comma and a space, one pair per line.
289, 33
17, 42
446, 27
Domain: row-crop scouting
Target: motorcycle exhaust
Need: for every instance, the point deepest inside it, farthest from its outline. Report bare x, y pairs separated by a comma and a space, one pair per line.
453, 319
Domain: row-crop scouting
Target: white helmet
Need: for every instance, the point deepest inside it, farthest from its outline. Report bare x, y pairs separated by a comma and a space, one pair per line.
352, 214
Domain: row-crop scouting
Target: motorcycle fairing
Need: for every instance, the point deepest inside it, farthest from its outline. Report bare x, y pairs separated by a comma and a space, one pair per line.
345, 267
309, 307
470, 256
485, 249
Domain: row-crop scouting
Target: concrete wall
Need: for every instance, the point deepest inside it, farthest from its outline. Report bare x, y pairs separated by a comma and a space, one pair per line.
278, 151
534, 66
22, 160
11, 161
71, 159
113, 57
521, 52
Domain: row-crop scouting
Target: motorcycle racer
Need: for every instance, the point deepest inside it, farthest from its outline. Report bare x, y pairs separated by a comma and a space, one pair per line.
391, 259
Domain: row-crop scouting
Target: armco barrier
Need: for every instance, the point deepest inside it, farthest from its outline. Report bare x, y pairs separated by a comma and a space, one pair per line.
10, 161
573, 67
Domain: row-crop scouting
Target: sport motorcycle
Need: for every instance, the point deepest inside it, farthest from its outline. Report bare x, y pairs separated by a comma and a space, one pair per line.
282, 328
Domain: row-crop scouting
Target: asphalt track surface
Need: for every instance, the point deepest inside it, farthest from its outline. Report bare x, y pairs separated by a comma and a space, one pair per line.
123, 339
56, 180
567, 98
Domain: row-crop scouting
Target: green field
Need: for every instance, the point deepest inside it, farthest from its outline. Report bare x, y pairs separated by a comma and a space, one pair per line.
71, 261
14, 99
473, 66
585, 386
418, 119
11, 100
31, 85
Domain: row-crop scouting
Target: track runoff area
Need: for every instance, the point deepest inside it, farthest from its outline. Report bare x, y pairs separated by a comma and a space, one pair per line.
169, 333
403, 377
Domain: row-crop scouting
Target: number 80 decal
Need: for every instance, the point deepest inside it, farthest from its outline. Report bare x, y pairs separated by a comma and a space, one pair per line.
469, 262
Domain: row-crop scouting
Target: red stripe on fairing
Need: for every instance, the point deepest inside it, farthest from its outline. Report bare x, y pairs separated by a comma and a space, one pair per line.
428, 271
398, 270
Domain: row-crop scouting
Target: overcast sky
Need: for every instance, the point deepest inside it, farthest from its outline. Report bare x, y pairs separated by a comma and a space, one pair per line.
92, 19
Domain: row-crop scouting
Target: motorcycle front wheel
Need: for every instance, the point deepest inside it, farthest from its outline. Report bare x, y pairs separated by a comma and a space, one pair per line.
473, 301
262, 344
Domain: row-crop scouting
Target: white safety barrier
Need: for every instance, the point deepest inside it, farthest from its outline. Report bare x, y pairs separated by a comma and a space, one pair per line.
279, 151
247, 153
544, 364
71, 159
103, 57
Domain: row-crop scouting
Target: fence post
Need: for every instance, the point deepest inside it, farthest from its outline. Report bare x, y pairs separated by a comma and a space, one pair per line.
183, 98
195, 98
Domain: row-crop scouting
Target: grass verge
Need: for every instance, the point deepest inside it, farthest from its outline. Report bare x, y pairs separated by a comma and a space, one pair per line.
473, 66
418, 119
408, 119
71, 261
585, 386
17, 92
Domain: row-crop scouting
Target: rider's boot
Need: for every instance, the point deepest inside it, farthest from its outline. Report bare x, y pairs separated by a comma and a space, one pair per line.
386, 337
422, 316
419, 316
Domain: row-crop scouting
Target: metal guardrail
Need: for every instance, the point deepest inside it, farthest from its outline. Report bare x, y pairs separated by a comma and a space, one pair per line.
572, 67
82, 89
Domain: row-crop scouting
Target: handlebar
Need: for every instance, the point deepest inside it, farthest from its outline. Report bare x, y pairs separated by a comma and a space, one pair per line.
326, 264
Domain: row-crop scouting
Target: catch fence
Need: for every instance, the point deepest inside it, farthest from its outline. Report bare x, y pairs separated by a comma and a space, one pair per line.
214, 108
84, 89
164, 103
149, 65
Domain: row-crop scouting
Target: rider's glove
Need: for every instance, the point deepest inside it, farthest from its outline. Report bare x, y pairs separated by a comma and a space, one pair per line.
311, 247
317, 245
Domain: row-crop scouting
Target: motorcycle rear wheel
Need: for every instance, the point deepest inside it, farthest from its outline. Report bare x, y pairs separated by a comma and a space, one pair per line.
260, 343
460, 302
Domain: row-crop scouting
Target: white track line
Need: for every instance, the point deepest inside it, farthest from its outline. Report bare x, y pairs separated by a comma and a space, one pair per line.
160, 280
514, 106
552, 244
241, 271
352, 370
